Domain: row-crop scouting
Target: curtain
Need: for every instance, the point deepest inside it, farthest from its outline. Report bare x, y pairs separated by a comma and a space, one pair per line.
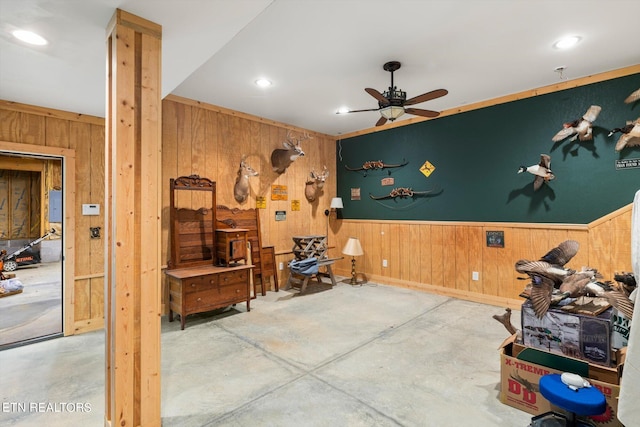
628, 407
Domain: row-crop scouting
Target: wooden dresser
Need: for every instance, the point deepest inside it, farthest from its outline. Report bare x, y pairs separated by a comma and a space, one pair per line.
200, 289
196, 282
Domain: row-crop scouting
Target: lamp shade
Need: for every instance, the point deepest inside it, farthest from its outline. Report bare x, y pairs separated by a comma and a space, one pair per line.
353, 247
336, 203
392, 112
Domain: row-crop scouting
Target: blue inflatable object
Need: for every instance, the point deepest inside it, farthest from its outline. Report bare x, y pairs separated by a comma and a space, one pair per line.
581, 402
306, 267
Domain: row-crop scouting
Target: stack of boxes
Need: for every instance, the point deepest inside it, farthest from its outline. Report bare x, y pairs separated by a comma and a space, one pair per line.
582, 336
592, 346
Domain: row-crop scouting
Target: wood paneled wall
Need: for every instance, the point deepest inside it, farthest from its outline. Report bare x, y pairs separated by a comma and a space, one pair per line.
37, 126
209, 141
440, 257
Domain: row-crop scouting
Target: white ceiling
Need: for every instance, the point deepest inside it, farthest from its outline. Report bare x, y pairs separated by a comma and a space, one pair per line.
320, 54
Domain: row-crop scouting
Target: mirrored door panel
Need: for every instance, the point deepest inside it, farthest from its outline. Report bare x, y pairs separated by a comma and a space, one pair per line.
30, 249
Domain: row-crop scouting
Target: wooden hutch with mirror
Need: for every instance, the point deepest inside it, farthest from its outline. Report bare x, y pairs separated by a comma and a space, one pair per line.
197, 282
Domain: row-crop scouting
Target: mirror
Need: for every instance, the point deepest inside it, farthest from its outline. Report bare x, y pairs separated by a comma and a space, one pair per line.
31, 227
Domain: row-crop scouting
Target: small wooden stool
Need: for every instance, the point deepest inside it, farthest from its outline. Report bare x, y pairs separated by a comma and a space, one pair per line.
303, 280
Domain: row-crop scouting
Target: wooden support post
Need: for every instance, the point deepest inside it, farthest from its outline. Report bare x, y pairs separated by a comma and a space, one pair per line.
132, 220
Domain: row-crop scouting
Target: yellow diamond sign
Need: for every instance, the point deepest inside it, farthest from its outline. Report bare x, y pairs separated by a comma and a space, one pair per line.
427, 168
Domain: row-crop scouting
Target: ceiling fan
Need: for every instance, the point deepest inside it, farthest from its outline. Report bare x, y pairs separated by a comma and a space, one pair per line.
392, 103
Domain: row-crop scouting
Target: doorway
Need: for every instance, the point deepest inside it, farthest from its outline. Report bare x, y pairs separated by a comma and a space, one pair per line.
31, 230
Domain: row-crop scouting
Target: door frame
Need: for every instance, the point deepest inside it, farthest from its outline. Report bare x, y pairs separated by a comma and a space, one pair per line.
68, 158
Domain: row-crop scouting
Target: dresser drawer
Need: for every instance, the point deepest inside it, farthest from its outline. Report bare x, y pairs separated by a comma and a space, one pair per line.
200, 283
233, 277
235, 292
195, 301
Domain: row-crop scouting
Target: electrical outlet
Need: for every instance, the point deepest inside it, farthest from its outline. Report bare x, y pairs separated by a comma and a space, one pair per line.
281, 266
94, 232
384, 263
475, 275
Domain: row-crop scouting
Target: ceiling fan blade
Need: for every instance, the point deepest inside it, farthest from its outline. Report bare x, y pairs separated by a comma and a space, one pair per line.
381, 121
377, 95
360, 111
421, 112
426, 96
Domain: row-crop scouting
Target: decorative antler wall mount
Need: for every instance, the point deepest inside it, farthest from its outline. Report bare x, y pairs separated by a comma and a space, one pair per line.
376, 165
281, 158
403, 193
314, 186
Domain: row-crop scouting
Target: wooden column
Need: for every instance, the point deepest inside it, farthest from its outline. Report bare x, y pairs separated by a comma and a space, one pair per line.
132, 220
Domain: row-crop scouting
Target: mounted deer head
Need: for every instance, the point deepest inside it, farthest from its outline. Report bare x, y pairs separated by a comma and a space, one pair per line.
281, 159
312, 187
241, 188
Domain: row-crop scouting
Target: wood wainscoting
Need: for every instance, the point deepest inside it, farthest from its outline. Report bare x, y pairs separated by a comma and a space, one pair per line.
440, 257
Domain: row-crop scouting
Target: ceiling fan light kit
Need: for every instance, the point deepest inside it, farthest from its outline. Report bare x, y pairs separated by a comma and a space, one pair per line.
391, 103
392, 112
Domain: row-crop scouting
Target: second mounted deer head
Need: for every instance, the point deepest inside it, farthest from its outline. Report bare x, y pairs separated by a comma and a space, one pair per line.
241, 188
282, 158
314, 186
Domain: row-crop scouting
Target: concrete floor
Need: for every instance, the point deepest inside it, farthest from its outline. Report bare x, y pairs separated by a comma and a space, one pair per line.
35, 312
349, 356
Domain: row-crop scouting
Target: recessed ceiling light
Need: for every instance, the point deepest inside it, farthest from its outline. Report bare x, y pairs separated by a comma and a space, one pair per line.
566, 42
342, 110
29, 37
263, 82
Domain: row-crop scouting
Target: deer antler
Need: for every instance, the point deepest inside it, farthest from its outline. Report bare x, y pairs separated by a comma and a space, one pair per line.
403, 193
292, 139
376, 164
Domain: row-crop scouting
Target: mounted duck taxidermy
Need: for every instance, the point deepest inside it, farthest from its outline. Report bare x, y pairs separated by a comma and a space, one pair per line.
541, 171
547, 274
630, 135
579, 128
633, 97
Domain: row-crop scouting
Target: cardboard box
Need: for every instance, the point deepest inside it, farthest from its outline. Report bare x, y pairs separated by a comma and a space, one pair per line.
580, 336
520, 376
621, 326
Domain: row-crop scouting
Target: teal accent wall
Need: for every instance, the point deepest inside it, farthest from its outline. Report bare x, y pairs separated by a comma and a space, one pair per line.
477, 154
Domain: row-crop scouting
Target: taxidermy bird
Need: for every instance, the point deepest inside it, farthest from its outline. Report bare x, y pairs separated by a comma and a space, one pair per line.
627, 280
622, 294
581, 283
633, 97
547, 274
618, 297
579, 128
542, 171
562, 254
630, 135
